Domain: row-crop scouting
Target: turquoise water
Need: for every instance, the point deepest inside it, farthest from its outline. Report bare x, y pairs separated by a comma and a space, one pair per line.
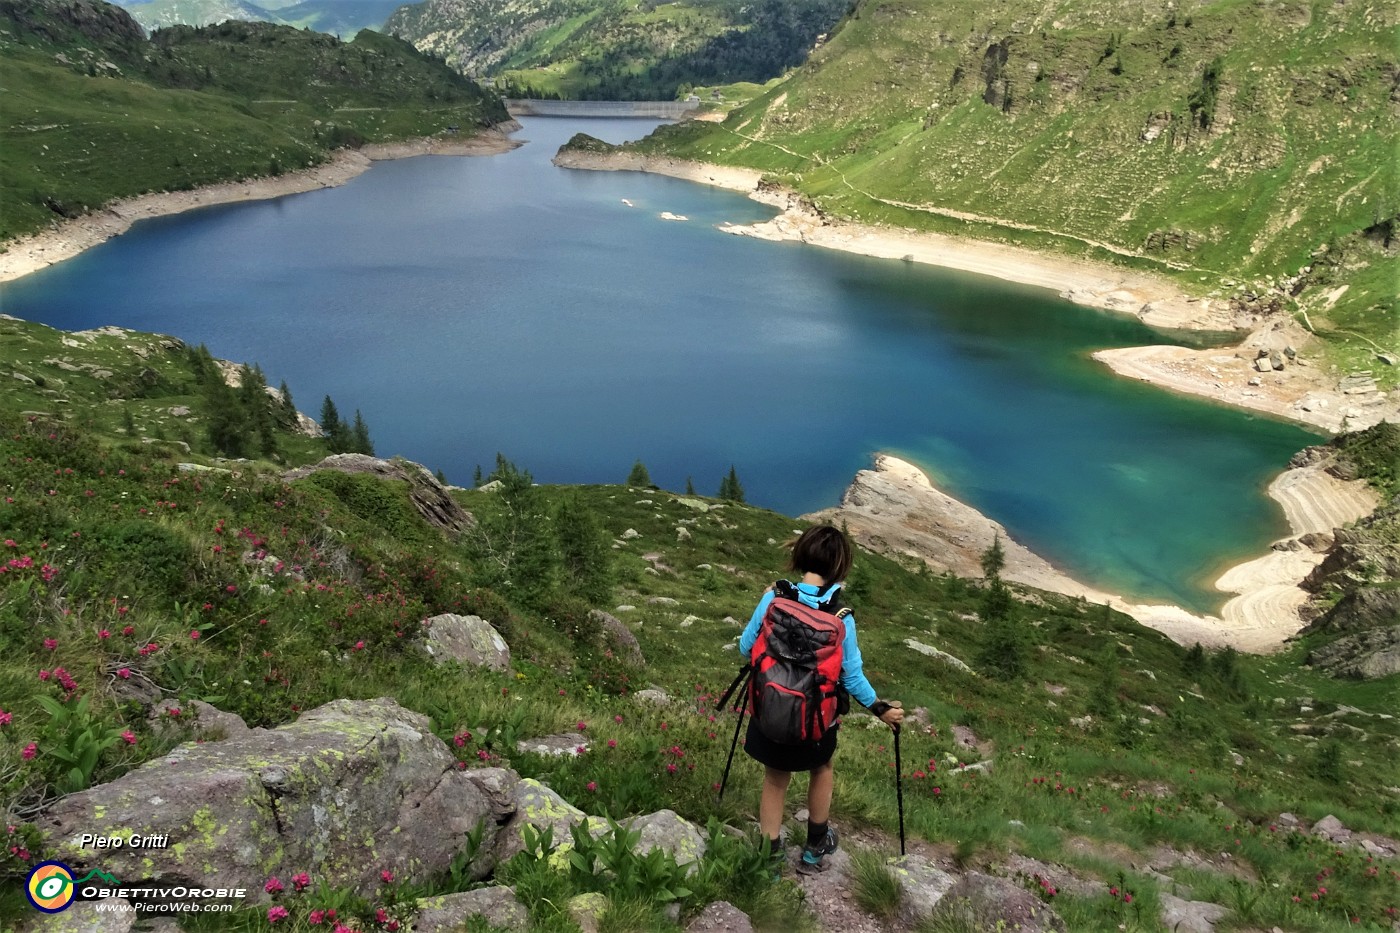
470, 306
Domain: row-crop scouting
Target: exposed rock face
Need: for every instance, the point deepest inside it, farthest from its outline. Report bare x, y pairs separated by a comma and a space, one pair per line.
538, 807
468, 640
1189, 916
349, 789
982, 902
449, 913
429, 496
895, 509
921, 887
1366, 655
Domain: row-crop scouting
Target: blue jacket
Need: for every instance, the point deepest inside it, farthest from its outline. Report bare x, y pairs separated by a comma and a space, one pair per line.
852, 672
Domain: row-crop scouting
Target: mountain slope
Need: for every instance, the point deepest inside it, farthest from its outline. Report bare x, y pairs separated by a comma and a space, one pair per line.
1120, 756
605, 49
1224, 142
196, 105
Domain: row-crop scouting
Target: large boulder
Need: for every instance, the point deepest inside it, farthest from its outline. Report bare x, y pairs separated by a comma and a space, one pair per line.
348, 790
619, 638
982, 902
469, 640
429, 496
721, 917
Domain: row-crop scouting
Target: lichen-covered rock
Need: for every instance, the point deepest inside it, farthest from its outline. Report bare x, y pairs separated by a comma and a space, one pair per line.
539, 807
654, 696
468, 640
450, 913
981, 902
1365, 655
668, 831
721, 917
586, 910
428, 496
921, 887
348, 790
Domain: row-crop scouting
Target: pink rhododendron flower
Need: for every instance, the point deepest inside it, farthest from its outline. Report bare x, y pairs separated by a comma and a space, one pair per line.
30, 751
273, 886
276, 913
130, 737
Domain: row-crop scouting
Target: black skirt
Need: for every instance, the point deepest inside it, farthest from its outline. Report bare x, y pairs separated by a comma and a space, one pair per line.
802, 757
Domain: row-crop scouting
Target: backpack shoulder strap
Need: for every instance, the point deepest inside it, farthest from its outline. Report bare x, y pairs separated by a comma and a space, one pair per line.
785, 589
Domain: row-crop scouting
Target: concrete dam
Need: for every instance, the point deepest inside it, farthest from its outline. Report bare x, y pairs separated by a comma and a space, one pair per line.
655, 109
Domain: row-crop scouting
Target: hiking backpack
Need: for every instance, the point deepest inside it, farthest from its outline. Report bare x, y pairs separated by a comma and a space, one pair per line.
796, 688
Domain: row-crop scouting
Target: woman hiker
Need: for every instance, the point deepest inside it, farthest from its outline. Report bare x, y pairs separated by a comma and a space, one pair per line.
807, 739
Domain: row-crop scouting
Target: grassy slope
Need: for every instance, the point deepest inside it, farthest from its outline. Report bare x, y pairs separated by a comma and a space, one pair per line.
342, 18
134, 541
911, 102
198, 106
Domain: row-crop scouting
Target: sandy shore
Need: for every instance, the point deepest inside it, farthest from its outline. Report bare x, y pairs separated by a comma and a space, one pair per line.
1299, 391
70, 238
896, 510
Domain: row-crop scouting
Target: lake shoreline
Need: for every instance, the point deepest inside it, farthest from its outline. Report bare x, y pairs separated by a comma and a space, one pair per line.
896, 510
66, 240
1295, 391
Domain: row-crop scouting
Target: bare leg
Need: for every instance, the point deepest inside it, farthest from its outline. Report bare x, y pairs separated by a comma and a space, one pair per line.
770, 807
819, 793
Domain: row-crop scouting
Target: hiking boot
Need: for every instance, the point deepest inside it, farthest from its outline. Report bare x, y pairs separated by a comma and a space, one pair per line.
814, 856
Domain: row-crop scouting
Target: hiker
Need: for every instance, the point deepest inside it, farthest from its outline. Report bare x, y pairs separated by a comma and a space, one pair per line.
784, 741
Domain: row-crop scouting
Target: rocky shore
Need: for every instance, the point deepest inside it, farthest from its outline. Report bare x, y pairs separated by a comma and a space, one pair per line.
895, 510
70, 238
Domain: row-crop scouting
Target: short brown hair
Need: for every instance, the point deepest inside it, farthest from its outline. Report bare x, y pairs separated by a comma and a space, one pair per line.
824, 550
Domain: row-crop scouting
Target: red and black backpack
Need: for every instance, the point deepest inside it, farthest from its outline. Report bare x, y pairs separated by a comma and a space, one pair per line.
796, 686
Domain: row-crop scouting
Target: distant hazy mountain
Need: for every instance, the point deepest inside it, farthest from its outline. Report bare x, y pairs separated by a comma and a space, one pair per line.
338, 17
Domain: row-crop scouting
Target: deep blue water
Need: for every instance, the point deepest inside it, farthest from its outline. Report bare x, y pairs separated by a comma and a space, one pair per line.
475, 305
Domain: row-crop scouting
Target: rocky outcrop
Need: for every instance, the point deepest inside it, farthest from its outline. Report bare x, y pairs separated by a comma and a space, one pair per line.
1366, 655
429, 496
619, 638
469, 640
348, 790
895, 509
1182, 916
921, 886
982, 902
721, 917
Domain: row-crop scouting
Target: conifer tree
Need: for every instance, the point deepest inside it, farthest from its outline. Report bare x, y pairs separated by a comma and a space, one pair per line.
1004, 647
584, 551
639, 476
476, 476
360, 442
689, 487
730, 489
330, 418
289, 407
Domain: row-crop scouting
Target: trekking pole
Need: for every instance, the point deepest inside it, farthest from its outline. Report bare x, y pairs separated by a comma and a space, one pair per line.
743, 706
899, 786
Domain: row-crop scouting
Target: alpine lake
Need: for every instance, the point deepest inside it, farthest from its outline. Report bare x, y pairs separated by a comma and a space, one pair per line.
473, 305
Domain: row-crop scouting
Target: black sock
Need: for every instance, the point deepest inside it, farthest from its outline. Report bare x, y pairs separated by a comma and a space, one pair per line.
816, 832
775, 847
